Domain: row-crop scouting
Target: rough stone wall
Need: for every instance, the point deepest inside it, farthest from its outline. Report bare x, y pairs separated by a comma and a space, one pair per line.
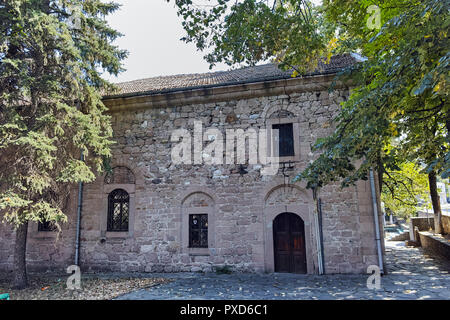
427, 223
240, 206
435, 245
422, 223
6, 250
45, 250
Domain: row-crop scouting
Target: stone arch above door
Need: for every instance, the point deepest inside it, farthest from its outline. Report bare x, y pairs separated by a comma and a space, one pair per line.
278, 199
285, 194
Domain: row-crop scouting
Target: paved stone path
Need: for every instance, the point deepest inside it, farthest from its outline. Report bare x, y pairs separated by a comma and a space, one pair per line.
411, 276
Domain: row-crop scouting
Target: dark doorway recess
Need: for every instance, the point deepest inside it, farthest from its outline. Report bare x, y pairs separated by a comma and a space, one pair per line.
289, 243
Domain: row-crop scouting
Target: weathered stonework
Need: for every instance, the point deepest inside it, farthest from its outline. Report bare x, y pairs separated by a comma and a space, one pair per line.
240, 207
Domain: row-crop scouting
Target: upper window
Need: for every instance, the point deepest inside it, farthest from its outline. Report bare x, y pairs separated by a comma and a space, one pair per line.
118, 210
198, 231
285, 139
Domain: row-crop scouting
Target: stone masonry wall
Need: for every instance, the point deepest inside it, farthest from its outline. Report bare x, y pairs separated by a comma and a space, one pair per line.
45, 250
240, 207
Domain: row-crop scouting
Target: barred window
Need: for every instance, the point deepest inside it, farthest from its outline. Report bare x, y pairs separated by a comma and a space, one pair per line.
198, 231
118, 210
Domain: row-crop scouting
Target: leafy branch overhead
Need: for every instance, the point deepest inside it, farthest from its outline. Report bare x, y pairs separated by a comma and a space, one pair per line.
250, 31
405, 190
400, 92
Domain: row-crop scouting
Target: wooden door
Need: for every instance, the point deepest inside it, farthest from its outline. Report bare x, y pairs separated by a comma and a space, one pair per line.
289, 243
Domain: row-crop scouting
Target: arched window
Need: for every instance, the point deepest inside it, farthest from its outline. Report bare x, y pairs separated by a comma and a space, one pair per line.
118, 210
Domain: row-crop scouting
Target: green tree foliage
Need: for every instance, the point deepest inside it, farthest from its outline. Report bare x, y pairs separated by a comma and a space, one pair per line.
250, 31
52, 56
405, 190
401, 92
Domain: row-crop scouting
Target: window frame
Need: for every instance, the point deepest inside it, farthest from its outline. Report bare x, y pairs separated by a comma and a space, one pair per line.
200, 230
208, 208
111, 209
291, 151
296, 137
104, 233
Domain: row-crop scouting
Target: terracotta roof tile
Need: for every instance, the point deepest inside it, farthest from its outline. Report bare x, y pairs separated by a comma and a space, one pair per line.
259, 73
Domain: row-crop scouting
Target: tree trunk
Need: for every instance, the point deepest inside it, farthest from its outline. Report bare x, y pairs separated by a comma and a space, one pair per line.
20, 267
435, 201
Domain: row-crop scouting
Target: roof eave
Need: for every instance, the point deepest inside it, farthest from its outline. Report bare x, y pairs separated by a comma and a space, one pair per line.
211, 94
226, 84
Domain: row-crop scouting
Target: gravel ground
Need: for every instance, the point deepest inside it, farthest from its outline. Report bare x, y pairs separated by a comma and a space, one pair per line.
93, 286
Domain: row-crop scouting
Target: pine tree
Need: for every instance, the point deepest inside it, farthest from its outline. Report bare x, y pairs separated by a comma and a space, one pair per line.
52, 56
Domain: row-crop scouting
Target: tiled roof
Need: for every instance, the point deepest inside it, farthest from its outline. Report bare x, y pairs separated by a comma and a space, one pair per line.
259, 73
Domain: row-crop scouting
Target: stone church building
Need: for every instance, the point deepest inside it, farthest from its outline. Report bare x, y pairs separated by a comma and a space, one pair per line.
149, 214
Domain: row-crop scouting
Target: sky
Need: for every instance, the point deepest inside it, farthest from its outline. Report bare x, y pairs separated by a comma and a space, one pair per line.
152, 32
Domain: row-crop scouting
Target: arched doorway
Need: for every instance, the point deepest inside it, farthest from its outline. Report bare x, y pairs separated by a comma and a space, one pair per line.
289, 243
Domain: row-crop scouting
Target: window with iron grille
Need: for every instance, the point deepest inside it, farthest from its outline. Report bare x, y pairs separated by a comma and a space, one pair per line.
118, 210
285, 139
46, 226
198, 231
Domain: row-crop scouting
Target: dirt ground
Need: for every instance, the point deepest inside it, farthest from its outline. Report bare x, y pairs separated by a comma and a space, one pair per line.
93, 286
